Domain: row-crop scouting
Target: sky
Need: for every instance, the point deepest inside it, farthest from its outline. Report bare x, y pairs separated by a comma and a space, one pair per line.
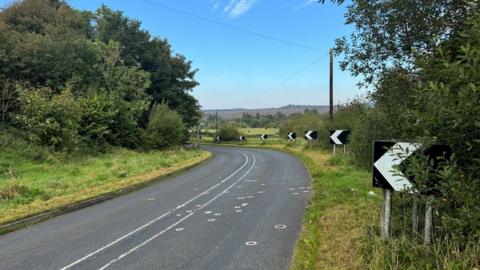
249, 53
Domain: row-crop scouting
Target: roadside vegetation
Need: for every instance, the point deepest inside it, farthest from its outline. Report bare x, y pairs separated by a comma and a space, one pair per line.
424, 72
89, 103
36, 179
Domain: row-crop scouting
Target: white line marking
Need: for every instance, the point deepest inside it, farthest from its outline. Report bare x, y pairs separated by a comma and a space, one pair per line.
154, 220
178, 222
251, 243
144, 243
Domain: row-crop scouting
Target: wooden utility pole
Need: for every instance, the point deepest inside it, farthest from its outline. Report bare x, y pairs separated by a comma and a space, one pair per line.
216, 123
331, 84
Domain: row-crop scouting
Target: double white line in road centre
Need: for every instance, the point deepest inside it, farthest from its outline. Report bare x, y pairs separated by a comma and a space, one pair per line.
164, 215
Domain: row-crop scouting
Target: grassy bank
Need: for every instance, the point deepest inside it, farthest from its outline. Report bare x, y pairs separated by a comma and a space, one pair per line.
35, 180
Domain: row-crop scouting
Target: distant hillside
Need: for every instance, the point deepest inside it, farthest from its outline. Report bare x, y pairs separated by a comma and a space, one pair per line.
287, 110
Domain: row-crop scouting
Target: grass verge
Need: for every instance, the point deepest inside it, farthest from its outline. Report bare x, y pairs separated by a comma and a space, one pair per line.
34, 180
339, 212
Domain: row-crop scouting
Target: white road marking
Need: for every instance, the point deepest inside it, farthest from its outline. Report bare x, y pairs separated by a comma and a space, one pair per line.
211, 220
217, 214
237, 207
150, 199
155, 220
144, 243
238, 211
250, 197
260, 192
305, 191
178, 222
207, 212
280, 227
295, 193
244, 204
241, 198
179, 215
251, 243
179, 229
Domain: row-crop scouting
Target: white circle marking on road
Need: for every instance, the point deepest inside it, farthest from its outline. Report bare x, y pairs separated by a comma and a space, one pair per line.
251, 243
280, 227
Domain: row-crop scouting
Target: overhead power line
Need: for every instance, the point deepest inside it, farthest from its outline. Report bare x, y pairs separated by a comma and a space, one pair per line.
186, 13
300, 71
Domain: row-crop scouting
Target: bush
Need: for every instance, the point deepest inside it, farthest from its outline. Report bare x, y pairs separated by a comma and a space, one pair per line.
301, 122
229, 132
48, 119
165, 128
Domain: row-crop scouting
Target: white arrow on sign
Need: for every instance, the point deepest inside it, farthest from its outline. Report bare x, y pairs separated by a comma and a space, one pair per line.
308, 135
292, 136
391, 159
335, 135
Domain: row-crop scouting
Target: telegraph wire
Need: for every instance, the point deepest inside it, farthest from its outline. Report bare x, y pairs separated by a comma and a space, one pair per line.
298, 72
193, 15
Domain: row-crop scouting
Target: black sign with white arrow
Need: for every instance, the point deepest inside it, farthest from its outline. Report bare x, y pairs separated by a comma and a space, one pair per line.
264, 137
389, 157
219, 138
311, 135
292, 136
242, 138
339, 136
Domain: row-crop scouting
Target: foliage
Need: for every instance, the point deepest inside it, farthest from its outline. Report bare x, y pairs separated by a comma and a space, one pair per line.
229, 132
8, 98
396, 33
113, 70
299, 123
165, 128
51, 120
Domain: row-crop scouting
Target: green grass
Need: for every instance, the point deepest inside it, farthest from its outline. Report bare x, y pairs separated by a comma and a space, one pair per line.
34, 180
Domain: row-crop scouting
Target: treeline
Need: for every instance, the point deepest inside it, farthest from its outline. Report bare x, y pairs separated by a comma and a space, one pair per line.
422, 60
71, 78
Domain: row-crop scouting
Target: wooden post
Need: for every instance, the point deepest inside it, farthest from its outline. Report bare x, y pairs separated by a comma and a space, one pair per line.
331, 84
386, 213
427, 233
334, 149
344, 150
415, 216
216, 123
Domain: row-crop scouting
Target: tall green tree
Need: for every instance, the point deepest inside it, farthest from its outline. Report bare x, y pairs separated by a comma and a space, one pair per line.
172, 77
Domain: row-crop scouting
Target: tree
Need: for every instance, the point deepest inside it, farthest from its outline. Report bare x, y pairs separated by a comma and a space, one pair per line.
165, 128
8, 97
396, 33
172, 77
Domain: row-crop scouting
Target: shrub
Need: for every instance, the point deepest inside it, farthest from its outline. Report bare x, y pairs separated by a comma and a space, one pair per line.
165, 128
48, 119
229, 132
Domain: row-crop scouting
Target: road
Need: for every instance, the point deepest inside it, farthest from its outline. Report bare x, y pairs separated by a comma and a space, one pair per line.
243, 209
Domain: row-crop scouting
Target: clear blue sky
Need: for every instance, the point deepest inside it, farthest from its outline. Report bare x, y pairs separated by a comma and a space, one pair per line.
241, 70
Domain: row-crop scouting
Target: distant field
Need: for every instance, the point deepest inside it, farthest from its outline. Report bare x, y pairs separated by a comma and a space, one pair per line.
287, 110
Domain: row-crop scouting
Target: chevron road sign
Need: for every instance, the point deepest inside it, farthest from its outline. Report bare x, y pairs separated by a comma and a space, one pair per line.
219, 138
264, 137
292, 136
388, 155
339, 136
311, 135
242, 138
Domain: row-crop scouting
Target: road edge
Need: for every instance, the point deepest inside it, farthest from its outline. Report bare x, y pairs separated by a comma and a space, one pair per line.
37, 218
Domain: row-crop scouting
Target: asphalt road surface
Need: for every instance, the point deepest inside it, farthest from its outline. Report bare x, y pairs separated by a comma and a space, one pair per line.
241, 210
